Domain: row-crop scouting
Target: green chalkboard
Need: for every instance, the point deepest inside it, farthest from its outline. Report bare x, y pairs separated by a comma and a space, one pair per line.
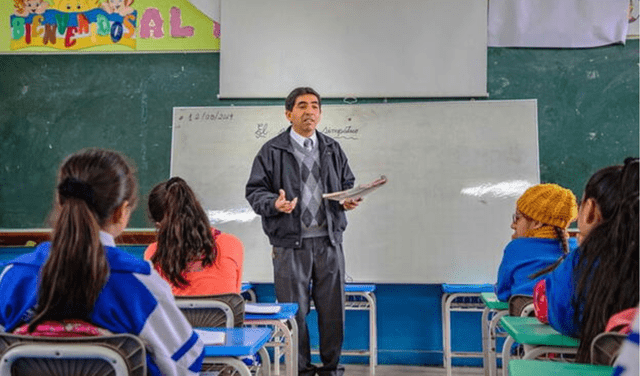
587, 105
53, 105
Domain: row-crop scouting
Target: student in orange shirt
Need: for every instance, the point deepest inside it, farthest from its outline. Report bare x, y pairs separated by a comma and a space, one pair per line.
193, 257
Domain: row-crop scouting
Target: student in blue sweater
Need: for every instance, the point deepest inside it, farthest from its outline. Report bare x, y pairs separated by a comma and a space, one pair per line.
81, 275
540, 238
601, 277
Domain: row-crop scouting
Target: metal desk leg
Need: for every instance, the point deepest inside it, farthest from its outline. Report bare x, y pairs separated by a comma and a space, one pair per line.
276, 360
486, 345
364, 300
294, 347
506, 355
493, 336
446, 332
236, 363
450, 305
290, 336
265, 362
373, 334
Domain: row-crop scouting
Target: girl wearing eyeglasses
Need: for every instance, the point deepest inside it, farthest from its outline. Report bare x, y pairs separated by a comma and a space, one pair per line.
539, 240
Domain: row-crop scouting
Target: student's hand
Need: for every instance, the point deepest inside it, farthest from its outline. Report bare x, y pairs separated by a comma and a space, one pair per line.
282, 205
350, 203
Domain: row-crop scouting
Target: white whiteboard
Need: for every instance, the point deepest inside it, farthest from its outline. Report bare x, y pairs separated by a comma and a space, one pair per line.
356, 48
455, 170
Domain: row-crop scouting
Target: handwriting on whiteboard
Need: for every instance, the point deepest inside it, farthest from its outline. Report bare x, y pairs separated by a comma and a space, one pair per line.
262, 129
346, 132
207, 115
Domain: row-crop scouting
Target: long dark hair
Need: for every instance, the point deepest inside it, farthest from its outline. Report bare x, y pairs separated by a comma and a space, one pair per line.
184, 233
607, 271
92, 185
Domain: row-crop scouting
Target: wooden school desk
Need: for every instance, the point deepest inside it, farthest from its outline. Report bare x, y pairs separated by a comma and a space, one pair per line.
239, 342
459, 298
284, 336
536, 337
519, 367
495, 309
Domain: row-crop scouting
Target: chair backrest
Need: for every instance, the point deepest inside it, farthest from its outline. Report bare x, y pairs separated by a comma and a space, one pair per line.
112, 355
225, 310
521, 305
622, 321
605, 347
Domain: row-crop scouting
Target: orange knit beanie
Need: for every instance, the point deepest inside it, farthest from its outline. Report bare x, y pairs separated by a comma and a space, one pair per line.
550, 204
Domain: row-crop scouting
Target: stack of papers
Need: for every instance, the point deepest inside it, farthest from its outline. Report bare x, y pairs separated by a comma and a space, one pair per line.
209, 337
261, 308
358, 192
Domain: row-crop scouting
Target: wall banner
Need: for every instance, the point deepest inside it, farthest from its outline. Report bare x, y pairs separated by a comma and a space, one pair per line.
100, 26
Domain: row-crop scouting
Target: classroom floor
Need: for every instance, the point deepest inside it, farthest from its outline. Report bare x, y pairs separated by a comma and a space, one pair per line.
385, 370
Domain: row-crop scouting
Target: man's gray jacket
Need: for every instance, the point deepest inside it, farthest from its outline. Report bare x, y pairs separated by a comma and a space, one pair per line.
275, 167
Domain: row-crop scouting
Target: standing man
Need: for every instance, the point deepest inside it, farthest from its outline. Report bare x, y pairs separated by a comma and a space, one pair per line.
288, 177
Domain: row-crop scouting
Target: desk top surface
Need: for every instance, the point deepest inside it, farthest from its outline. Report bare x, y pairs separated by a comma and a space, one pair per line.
449, 288
356, 287
287, 311
530, 331
348, 287
491, 301
238, 341
519, 367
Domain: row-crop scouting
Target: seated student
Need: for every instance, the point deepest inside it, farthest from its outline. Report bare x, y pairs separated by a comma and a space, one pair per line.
81, 275
600, 278
540, 238
193, 257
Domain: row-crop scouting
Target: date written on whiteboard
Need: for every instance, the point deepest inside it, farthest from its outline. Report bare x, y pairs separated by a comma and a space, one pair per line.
207, 116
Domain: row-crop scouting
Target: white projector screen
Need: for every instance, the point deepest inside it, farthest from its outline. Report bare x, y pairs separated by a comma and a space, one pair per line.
455, 170
356, 48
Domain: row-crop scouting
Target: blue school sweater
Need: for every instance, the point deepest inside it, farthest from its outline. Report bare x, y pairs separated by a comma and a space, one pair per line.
523, 257
560, 292
134, 300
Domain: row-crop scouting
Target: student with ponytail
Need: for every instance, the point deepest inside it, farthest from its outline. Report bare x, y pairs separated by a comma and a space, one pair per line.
83, 277
540, 238
193, 257
600, 278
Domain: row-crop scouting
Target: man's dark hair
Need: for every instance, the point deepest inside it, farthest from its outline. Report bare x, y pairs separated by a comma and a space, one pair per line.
295, 93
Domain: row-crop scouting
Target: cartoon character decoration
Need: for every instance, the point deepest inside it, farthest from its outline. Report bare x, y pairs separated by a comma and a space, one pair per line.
121, 7
72, 24
75, 5
23, 8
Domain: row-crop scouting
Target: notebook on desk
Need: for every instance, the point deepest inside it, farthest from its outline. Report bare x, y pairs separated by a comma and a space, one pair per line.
210, 338
261, 309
